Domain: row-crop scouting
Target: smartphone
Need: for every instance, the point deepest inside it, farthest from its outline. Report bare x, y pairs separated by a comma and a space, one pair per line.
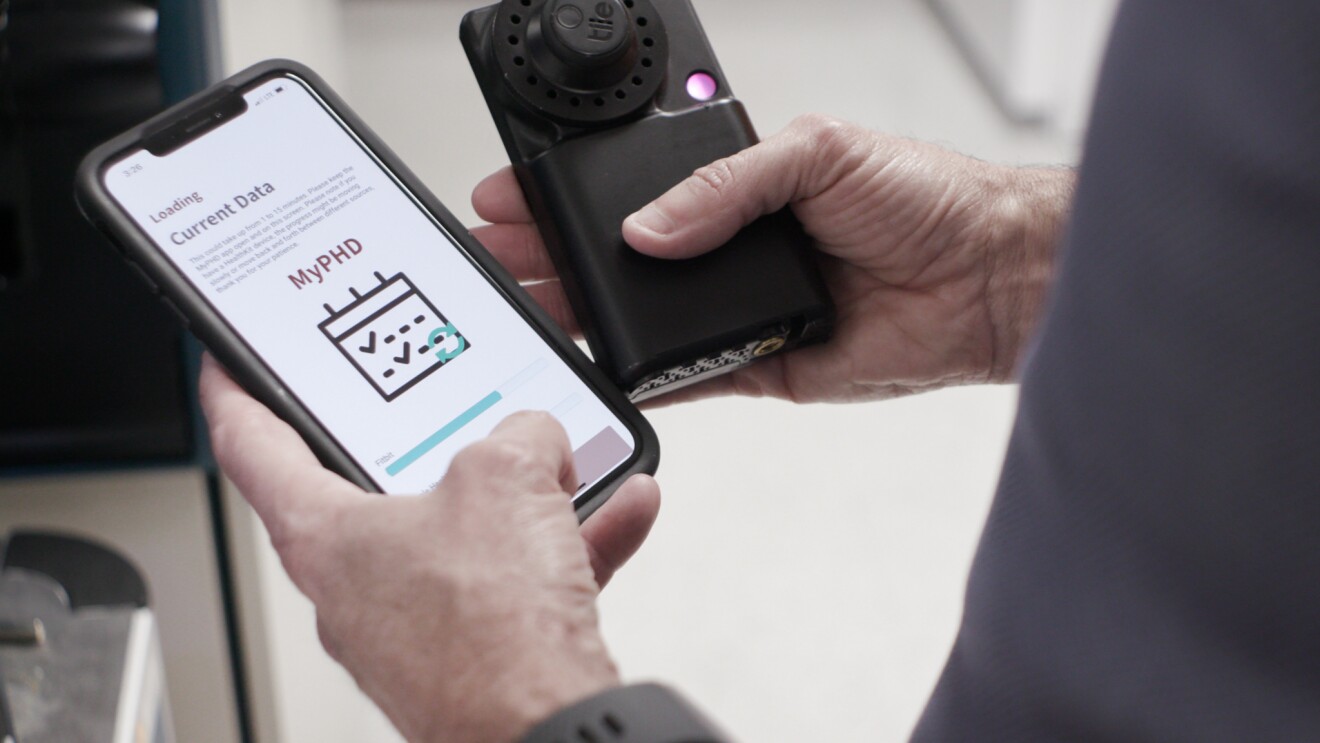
340, 292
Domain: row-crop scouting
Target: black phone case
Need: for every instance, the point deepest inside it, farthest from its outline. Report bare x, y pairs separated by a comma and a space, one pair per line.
249, 369
651, 323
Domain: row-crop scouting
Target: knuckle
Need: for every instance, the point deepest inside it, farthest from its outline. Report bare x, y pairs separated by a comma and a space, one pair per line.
327, 637
532, 429
225, 439
286, 534
530, 244
525, 447
294, 547
825, 134
553, 300
495, 456
537, 418
833, 147
306, 545
814, 124
715, 179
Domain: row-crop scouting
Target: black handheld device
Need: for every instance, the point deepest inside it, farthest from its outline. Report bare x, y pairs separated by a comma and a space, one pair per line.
340, 292
603, 105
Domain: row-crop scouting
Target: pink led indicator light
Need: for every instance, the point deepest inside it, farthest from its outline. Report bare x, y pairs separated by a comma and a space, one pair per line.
701, 86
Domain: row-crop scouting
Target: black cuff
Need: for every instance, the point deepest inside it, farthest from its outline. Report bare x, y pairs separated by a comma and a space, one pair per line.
644, 713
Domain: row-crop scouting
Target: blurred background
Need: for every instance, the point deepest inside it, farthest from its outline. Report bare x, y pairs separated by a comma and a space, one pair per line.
805, 579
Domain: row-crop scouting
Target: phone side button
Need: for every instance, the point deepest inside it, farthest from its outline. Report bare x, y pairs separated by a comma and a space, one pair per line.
183, 319
110, 236
145, 278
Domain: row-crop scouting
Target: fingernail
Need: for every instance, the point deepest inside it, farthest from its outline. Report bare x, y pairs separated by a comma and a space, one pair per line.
653, 220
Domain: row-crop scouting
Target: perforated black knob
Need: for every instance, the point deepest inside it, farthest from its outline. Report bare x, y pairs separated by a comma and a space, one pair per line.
587, 33
581, 61
584, 44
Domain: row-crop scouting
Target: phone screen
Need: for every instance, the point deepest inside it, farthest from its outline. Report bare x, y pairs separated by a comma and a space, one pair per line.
358, 301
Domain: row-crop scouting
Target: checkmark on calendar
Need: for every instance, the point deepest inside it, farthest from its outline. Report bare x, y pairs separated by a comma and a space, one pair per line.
370, 332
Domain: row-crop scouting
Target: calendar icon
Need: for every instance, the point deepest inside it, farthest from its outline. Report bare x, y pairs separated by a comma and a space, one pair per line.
393, 335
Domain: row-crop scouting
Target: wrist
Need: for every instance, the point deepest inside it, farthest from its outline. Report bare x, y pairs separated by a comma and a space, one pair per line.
1028, 216
531, 704
643, 713
565, 668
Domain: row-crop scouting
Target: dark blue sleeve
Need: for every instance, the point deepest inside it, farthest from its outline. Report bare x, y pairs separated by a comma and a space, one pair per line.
1150, 570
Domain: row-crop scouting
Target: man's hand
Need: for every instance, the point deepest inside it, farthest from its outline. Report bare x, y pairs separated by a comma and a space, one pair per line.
467, 613
937, 262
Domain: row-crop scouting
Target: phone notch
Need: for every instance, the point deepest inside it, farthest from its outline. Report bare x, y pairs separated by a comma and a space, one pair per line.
212, 111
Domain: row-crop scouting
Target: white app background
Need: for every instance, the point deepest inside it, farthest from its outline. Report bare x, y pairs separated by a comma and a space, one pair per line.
357, 301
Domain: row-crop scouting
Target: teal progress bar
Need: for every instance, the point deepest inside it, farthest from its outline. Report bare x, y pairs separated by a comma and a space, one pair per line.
452, 427
449, 429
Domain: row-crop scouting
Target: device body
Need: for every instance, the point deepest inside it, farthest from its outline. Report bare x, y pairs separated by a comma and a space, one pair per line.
329, 332
599, 120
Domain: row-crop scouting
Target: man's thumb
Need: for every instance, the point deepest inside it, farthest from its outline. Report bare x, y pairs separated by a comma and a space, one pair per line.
711, 205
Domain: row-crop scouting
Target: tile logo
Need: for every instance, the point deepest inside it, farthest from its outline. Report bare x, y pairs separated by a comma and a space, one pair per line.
393, 335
